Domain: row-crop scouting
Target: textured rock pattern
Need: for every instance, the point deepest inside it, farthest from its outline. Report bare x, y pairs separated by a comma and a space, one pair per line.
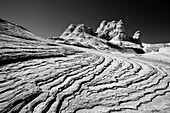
112, 30
83, 36
51, 78
77, 31
137, 38
108, 36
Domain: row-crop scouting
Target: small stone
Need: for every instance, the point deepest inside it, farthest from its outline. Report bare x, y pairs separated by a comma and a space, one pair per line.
137, 37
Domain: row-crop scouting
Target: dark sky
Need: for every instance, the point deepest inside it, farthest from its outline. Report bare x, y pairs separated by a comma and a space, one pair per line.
51, 17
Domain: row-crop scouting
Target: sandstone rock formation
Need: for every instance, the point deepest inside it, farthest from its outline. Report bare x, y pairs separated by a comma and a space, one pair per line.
69, 30
77, 31
41, 76
83, 36
112, 31
107, 37
137, 38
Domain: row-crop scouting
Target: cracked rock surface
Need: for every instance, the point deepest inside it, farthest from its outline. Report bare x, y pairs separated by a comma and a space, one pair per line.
40, 76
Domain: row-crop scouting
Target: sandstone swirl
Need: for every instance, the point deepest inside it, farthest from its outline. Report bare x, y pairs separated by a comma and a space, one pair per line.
40, 76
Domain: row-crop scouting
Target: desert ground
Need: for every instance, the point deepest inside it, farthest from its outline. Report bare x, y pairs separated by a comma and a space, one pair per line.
43, 76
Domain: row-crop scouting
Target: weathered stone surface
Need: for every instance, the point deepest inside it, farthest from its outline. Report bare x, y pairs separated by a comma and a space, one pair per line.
112, 31
137, 38
82, 36
107, 37
101, 27
39, 76
77, 31
69, 30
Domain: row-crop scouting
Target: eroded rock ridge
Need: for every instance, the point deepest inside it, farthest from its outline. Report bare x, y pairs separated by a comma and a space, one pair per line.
44, 76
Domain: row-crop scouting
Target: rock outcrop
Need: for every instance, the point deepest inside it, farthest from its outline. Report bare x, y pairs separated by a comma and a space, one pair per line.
112, 31
137, 38
18, 44
107, 36
77, 31
81, 35
69, 30
40, 76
